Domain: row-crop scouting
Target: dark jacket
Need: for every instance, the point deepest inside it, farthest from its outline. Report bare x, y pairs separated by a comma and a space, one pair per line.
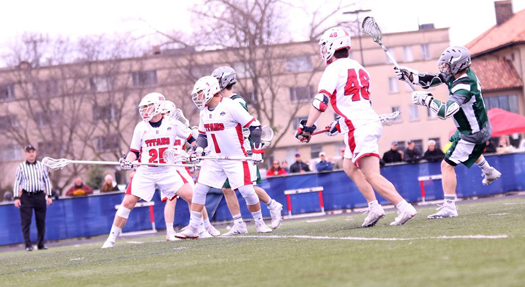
392, 156
412, 156
298, 166
324, 166
436, 155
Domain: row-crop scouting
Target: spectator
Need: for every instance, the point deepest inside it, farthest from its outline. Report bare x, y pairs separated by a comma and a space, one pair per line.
299, 166
108, 184
79, 188
8, 196
285, 166
339, 163
323, 164
433, 154
504, 145
490, 148
412, 153
393, 155
32, 191
275, 169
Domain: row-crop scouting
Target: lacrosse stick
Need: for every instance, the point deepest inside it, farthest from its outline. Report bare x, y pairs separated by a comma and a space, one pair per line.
267, 134
173, 156
320, 131
60, 163
179, 116
371, 28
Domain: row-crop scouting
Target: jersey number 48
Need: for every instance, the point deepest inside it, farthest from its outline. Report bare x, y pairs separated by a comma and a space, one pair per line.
357, 87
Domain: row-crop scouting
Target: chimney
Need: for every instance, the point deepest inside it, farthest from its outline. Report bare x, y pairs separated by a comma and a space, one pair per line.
503, 11
155, 50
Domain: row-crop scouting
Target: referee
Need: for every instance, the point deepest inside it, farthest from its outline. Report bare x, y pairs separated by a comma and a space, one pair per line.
32, 190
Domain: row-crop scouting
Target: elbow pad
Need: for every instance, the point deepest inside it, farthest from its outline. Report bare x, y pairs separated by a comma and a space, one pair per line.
202, 141
444, 110
255, 134
321, 102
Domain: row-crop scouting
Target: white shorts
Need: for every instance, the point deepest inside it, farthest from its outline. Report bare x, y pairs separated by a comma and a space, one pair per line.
362, 141
187, 178
143, 183
215, 172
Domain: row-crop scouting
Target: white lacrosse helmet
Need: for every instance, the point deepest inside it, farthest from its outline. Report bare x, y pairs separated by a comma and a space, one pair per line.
333, 39
204, 90
150, 106
168, 108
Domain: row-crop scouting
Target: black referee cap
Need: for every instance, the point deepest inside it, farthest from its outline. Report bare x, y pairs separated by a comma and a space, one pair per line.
29, 147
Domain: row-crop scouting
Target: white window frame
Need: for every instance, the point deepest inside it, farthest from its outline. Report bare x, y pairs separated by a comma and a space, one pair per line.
7, 92
413, 112
299, 64
11, 152
101, 83
141, 79
425, 51
408, 56
302, 97
393, 86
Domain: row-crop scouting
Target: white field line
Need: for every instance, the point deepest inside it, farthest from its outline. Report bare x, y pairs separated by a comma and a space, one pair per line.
377, 238
315, 220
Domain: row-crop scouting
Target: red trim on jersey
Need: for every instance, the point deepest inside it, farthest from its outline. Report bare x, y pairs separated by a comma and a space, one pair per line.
134, 150
241, 138
327, 93
249, 123
221, 99
182, 177
202, 133
247, 175
128, 189
189, 137
348, 122
363, 155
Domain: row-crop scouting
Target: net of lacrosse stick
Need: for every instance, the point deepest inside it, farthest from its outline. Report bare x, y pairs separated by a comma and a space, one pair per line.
175, 156
371, 28
60, 163
266, 136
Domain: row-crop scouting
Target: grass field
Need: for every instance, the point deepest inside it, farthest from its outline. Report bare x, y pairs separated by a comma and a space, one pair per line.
485, 246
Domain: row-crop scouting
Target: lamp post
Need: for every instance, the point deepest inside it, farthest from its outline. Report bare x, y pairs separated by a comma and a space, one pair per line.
357, 12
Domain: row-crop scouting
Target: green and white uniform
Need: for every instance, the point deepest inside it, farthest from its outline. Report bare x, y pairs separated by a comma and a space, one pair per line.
471, 120
248, 143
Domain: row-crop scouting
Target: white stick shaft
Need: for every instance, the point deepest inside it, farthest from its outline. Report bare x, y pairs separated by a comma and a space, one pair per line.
226, 157
395, 64
118, 163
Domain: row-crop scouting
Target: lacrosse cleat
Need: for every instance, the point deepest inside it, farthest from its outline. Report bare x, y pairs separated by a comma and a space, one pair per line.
237, 228
444, 211
375, 213
275, 212
388, 119
404, 215
171, 237
188, 233
491, 176
212, 231
262, 228
108, 244
204, 234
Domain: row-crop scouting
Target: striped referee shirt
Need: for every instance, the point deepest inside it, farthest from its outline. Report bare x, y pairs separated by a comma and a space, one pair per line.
32, 177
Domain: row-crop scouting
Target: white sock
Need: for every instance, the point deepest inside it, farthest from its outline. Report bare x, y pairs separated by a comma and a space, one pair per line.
485, 166
195, 219
169, 228
451, 199
237, 218
402, 205
373, 203
257, 215
114, 233
270, 203
207, 222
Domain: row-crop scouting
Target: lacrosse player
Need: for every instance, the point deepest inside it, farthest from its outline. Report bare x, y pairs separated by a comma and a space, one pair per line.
220, 126
345, 84
227, 77
171, 113
151, 137
465, 105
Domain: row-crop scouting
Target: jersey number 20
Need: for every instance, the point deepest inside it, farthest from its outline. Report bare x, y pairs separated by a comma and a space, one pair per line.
357, 87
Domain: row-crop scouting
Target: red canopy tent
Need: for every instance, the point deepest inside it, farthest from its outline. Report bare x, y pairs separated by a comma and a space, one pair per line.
503, 123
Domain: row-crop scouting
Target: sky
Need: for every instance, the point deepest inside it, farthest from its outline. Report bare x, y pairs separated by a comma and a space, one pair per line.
465, 18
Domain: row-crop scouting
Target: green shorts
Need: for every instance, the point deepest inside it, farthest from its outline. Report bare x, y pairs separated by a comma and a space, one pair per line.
258, 181
462, 151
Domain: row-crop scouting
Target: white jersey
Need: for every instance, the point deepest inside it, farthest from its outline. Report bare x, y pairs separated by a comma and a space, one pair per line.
151, 142
223, 128
347, 84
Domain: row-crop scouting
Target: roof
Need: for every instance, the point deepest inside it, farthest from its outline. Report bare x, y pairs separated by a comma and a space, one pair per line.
497, 74
508, 33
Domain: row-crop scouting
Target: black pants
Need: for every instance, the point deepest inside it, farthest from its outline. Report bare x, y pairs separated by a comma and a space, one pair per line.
36, 201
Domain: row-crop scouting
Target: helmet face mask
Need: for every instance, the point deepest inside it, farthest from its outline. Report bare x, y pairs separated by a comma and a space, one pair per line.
150, 106
168, 108
204, 90
332, 40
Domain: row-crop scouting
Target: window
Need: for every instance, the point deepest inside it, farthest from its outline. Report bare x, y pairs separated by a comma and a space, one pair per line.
8, 122
251, 98
414, 112
302, 94
506, 102
296, 120
419, 145
392, 52
392, 85
11, 152
407, 54
242, 69
101, 84
47, 119
299, 64
51, 148
397, 109
45, 89
7, 92
401, 145
199, 71
315, 150
106, 143
425, 52
105, 113
431, 114
144, 79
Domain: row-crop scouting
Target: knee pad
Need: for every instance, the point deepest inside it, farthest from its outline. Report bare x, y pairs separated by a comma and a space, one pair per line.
123, 212
249, 194
199, 193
